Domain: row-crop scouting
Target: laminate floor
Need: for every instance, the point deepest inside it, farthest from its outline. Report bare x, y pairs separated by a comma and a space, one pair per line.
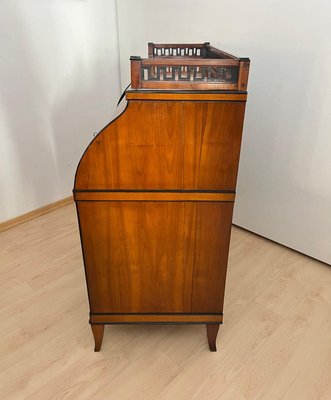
275, 342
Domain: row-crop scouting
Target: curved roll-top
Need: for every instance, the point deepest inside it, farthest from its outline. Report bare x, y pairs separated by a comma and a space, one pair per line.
173, 144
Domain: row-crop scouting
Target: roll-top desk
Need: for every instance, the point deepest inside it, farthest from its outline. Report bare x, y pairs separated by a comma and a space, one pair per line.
155, 190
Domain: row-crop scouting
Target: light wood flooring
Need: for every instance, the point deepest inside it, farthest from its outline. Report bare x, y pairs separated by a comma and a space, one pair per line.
275, 342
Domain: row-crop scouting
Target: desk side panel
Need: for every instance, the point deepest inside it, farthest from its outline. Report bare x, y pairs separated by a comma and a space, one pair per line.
166, 145
155, 257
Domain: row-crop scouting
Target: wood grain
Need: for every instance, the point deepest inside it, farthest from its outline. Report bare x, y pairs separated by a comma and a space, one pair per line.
149, 264
182, 85
189, 61
149, 191
212, 140
166, 145
152, 196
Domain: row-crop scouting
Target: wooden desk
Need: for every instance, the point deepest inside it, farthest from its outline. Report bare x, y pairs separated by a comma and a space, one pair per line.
154, 192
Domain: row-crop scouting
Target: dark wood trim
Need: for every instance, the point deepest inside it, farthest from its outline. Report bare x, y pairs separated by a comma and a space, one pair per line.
155, 318
188, 85
98, 331
182, 96
165, 63
153, 313
150, 49
179, 91
169, 45
243, 74
221, 53
152, 191
212, 331
83, 254
135, 72
218, 62
157, 323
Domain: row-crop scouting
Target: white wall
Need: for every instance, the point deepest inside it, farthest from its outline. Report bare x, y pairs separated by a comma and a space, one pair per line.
284, 186
59, 82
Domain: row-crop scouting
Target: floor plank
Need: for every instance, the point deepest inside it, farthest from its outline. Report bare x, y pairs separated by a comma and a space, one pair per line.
275, 342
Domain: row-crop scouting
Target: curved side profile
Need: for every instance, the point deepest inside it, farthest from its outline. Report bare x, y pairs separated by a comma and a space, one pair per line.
154, 193
174, 145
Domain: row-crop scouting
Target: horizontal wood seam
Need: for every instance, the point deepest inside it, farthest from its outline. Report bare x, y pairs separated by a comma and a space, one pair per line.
152, 191
158, 323
183, 96
150, 318
155, 313
153, 196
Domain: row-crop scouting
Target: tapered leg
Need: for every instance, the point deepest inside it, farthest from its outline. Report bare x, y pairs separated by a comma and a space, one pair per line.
98, 335
212, 331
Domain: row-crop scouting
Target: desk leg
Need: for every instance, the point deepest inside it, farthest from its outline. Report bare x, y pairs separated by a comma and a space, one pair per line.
98, 335
212, 331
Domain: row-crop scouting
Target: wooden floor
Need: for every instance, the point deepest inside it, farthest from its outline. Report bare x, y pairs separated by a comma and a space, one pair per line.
275, 342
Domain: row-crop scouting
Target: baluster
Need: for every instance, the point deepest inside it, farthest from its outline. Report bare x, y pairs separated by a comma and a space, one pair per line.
209, 74
204, 74
195, 73
175, 73
150, 73
163, 73
191, 73
219, 77
168, 74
